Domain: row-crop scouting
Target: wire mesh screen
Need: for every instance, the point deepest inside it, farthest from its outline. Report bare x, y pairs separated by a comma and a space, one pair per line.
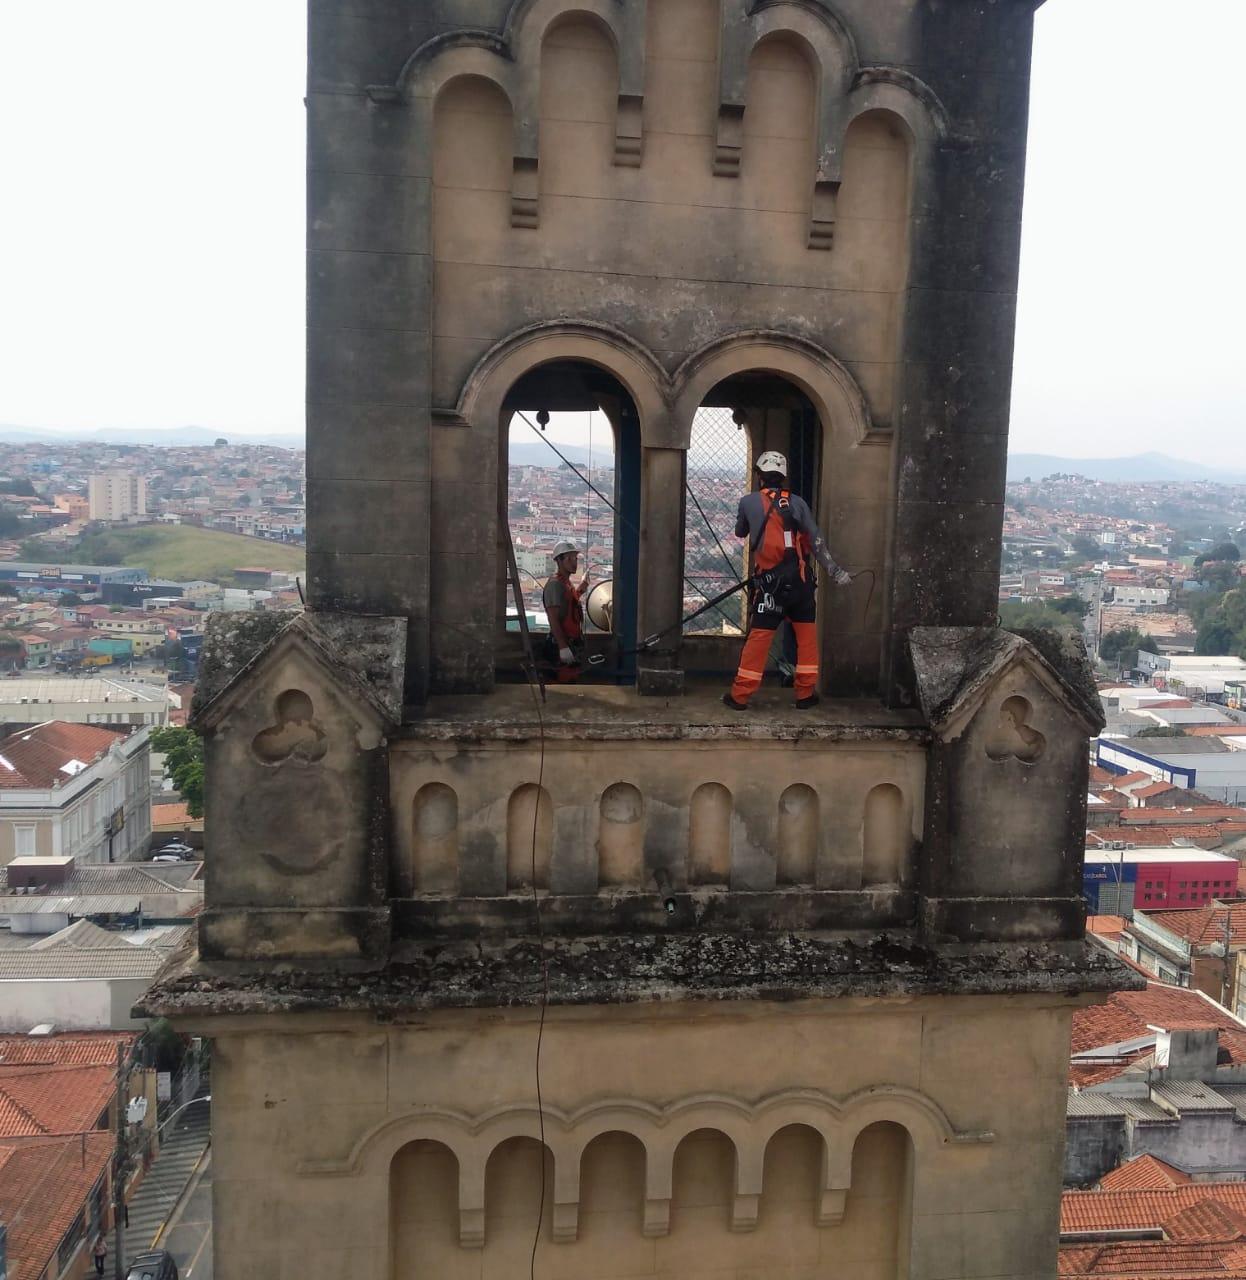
714, 558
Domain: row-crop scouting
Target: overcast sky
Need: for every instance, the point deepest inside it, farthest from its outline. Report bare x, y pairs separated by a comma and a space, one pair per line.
151, 225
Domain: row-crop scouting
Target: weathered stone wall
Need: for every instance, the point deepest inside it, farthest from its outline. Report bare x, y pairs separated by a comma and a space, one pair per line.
651, 188
897, 1148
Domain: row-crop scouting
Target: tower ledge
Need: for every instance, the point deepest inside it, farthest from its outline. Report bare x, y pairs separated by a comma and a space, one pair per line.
632, 969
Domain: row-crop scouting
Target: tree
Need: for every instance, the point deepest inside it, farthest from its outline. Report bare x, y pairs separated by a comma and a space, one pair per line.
1086, 547
1162, 731
183, 753
1124, 640
1071, 606
1222, 551
67, 599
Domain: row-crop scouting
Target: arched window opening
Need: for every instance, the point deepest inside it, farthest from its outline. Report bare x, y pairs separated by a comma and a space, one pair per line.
423, 1209
529, 837
571, 472
741, 418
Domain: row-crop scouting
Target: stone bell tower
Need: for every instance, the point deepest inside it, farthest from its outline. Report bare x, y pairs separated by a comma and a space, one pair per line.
610, 981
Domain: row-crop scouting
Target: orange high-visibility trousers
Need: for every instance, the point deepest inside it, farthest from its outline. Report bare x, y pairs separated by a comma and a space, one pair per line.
757, 649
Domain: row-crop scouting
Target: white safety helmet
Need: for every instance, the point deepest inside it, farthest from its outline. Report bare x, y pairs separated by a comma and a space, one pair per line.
772, 460
561, 548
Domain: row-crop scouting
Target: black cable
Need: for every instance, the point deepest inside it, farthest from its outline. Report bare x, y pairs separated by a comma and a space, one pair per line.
519, 413
540, 934
731, 569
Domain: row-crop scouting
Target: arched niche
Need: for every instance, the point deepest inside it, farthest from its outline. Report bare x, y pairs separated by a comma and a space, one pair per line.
473, 142
578, 110
435, 843
779, 138
529, 837
703, 1178
423, 1209
792, 1180
877, 1221
885, 837
612, 1190
709, 835
519, 1179
620, 836
872, 223
798, 831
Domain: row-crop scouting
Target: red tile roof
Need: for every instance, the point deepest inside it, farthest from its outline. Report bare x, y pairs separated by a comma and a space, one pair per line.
1210, 813
52, 1100
1137, 1210
44, 1185
1155, 837
1144, 1173
64, 1049
1129, 1015
1205, 925
1155, 789
1152, 1260
38, 757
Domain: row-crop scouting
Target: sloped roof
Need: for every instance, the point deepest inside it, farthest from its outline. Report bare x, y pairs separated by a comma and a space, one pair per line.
108, 964
366, 654
64, 1048
1128, 1210
53, 753
955, 666
1129, 1015
51, 1100
1144, 1173
82, 935
1206, 924
43, 1187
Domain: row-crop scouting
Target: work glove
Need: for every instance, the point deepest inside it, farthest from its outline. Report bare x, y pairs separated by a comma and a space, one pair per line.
842, 577
566, 657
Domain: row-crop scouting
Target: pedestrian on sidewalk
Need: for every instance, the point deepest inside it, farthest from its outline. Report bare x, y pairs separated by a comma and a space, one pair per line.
99, 1253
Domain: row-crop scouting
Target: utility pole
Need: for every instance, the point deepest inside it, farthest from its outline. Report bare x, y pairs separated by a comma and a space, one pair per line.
120, 1162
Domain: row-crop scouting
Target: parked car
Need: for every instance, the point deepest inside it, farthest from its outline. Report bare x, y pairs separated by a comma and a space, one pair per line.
174, 849
156, 1265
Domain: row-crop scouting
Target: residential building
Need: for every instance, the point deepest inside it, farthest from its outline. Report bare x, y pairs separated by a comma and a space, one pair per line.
57, 1125
1158, 1072
116, 495
83, 700
1191, 948
75, 791
42, 896
83, 976
38, 651
1140, 597
1151, 1228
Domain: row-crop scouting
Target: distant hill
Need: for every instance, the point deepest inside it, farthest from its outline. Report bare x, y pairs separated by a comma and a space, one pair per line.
184, 552
535, 454
1137, 468
169, 437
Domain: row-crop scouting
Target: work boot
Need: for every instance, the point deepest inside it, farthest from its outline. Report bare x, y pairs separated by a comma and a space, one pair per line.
803, 704
729, 701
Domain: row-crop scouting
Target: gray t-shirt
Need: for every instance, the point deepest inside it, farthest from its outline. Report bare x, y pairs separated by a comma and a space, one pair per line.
750, 523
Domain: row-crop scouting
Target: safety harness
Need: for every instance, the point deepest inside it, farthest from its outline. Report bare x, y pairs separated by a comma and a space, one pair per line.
780, 552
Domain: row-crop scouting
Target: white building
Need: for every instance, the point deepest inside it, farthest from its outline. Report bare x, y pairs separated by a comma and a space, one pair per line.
1141, 597
75, 791
82, 700
116, 495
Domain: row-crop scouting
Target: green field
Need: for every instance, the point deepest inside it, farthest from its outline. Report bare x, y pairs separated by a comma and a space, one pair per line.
184, 552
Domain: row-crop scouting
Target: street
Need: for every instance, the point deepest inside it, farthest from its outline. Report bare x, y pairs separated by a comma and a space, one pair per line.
189, 1236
